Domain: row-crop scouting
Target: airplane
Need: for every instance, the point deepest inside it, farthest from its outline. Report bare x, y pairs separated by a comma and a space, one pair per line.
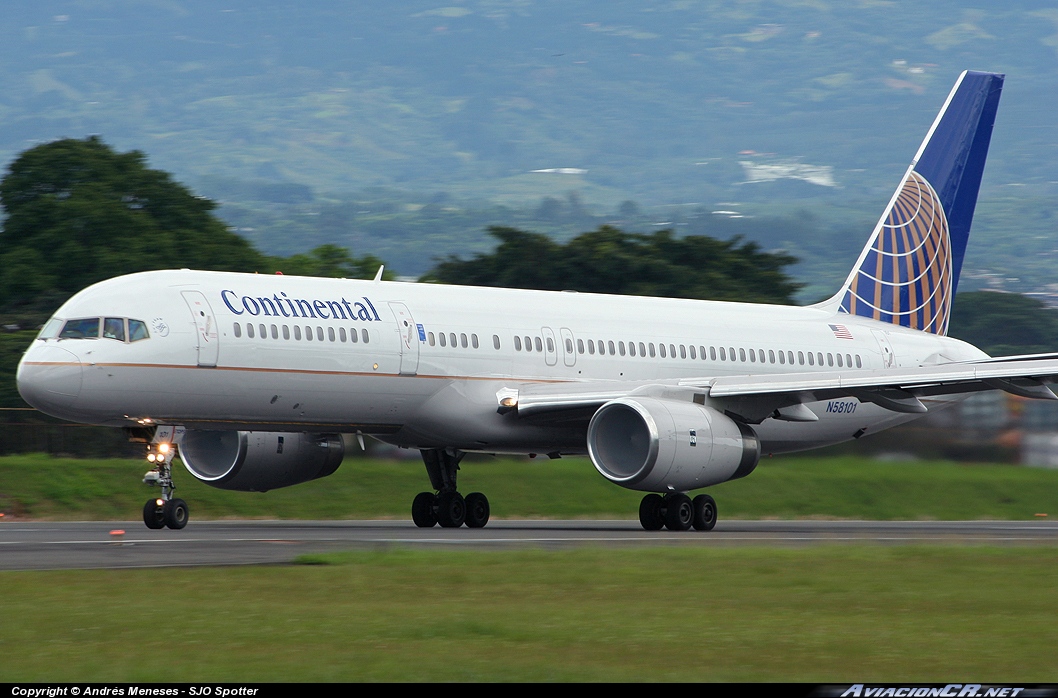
253, 379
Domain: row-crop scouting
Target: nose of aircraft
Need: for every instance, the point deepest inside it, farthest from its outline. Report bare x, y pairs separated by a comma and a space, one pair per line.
49, 378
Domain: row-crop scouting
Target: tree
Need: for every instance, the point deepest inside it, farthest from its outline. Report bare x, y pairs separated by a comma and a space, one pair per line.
1004, 324
79, 212
609, 260
332, 261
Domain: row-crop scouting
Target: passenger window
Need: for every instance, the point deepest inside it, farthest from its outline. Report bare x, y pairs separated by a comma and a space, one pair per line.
723, 354
683, 352
238, 330
85, 328
286, 332
275, 332
474, 341
517, 343
591, 347
782, 357
249, 330
429, 337
621, 348
840, 363
528, 343
712, 353
365, 335
330, 333
137, 330
341, 334
819, 357
858, 364
352, 335
297, 332
569, 345
550, 345
264, 331
463, 340
801, 358
452, 339
496, 341
444, 339
848, 360
308, 333
811, 359
663, 353
741, 354
693, 355
631, 348
580, 346
319, 333
752, 356
539, 344
830, 359
642, 349
771, 356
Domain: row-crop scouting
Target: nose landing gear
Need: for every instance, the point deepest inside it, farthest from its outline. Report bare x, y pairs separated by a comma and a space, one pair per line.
164, 511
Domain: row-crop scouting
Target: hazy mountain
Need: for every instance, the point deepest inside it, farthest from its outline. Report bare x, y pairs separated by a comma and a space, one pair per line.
676, 102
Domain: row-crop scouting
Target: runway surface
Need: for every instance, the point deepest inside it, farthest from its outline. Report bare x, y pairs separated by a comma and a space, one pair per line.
86, 545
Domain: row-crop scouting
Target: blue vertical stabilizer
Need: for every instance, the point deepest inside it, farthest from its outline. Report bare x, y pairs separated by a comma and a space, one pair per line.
909, 271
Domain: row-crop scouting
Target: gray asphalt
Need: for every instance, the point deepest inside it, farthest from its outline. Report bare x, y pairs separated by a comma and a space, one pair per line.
28, 545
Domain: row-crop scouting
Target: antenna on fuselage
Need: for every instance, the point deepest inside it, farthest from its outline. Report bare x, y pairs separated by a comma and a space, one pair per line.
378, 275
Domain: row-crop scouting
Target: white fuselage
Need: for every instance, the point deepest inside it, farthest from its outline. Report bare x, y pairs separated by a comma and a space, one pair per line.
204, 367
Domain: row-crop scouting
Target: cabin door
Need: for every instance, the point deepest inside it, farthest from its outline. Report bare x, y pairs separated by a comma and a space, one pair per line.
885, 347
205, 327
409, 339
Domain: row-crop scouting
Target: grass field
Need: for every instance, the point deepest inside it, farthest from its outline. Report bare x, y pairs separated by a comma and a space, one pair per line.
819, 614
827, 613
39, 486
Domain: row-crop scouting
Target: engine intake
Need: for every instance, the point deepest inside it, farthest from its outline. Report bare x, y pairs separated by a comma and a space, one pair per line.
662, 445
258, 461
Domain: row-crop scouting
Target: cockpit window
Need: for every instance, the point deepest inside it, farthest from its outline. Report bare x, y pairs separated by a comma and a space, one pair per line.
137, 330
50, 329
83, 328
114, 328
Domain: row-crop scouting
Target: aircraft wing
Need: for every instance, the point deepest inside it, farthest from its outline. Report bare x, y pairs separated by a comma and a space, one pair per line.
757, 397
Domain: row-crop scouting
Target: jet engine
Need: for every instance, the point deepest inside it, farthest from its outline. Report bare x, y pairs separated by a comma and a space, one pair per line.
258, 461
657, 445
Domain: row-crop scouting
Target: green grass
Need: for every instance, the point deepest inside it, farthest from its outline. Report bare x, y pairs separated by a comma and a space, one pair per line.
39, 486
819, 614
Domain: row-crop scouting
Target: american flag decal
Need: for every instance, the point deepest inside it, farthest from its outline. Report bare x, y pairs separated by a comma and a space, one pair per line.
841, 332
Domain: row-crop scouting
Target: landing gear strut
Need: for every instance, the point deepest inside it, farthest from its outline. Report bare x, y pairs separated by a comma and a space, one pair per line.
677, 512
447, 507
166, 510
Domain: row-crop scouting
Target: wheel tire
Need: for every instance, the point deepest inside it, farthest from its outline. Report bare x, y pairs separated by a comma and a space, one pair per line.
451, 510
153, 515
679, 512
477, 510
422, 512
704, 512
650, 515
176, 514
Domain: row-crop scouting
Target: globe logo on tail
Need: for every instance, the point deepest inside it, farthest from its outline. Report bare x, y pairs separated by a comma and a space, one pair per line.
905, 277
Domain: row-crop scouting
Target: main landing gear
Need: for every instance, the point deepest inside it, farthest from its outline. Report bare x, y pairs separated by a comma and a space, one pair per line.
447, 507
166, 510
677, 512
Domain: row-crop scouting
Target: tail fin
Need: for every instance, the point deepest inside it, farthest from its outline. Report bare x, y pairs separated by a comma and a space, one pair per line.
909, 270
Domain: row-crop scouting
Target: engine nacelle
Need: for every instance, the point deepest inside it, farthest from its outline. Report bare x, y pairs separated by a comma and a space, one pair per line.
258, 461
662, 445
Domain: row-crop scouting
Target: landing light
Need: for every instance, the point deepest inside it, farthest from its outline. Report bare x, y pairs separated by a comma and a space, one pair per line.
163, 448
150, 457
509, 402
